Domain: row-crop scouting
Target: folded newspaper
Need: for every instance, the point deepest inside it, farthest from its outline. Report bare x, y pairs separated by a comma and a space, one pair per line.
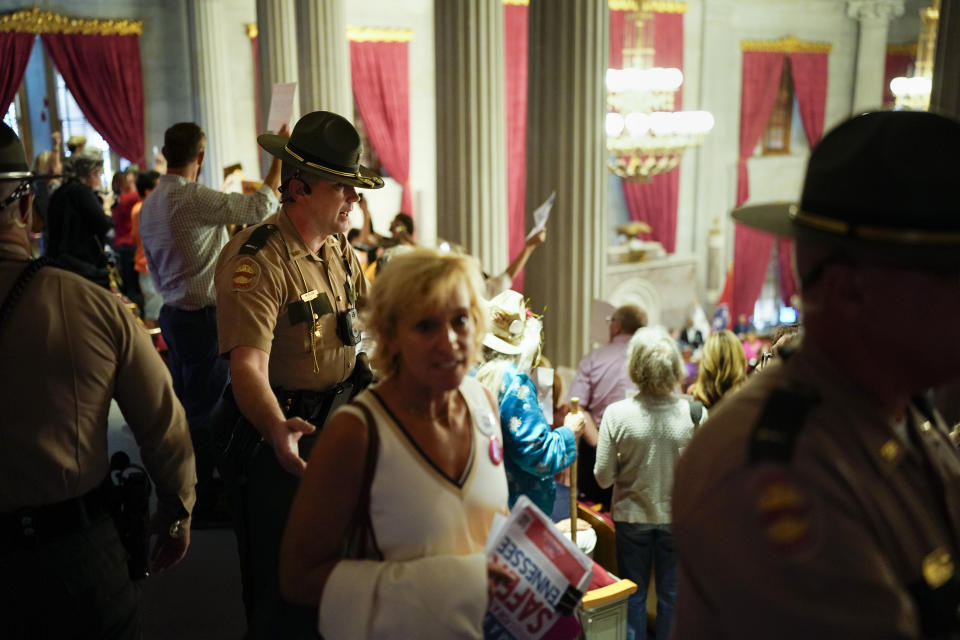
550, 575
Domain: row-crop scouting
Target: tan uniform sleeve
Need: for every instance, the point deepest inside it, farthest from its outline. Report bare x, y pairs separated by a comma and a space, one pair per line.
777, 556
250, 294
145, 395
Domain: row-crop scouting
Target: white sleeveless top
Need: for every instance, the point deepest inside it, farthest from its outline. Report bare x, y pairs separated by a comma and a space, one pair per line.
432, 583
416, 510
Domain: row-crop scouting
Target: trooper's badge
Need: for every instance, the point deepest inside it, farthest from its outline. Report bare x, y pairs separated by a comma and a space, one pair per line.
246, 275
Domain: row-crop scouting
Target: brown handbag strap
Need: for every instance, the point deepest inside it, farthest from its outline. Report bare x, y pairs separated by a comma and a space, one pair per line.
362, 536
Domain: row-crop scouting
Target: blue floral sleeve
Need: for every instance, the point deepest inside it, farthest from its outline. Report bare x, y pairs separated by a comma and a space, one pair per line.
529, 443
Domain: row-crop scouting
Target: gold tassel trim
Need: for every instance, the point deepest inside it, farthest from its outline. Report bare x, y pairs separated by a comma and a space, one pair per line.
378, 34
790, 44
517, 3
654, 6
37, 21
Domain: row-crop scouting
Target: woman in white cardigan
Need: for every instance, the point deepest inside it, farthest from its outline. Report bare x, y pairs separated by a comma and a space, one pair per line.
640, 441
435, 476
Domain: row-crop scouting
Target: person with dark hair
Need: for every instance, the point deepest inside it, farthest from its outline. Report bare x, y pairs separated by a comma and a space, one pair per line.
76, 224
401, 228
820, 500
70, 349
146, 182
602, 377
125, 196
287, 294
183, 227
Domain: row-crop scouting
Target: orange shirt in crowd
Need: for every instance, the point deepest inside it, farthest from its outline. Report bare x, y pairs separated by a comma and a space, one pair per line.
139, 259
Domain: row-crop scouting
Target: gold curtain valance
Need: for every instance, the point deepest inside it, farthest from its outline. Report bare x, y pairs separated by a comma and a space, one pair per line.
519, 3
907, 49
36, 21
789, 44
378, 34
655, 6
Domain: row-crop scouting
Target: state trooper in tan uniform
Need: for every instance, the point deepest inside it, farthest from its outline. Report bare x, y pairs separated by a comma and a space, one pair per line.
822, 500
287, 292
68, 348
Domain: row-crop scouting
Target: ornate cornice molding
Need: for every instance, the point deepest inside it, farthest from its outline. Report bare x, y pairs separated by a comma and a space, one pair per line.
874, 9
378, 34
37, 21
790, 44
907, 49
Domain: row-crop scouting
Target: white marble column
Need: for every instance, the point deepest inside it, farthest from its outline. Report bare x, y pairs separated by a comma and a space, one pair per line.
324, 57
566, 153
471, 129
874, 17
212, 89
277, 44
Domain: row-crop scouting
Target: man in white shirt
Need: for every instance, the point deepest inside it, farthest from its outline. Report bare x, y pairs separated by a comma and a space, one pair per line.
183, 226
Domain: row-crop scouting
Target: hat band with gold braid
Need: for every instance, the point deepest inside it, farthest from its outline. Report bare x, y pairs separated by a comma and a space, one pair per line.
871, 232
300, 158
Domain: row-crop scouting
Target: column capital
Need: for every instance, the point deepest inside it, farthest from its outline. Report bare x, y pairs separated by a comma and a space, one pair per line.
874, 10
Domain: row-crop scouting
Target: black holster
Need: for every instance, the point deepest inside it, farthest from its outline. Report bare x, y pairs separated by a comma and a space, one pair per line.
125, 494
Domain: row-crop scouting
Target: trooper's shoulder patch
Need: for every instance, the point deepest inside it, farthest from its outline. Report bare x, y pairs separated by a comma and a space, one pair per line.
246, 274
785, 513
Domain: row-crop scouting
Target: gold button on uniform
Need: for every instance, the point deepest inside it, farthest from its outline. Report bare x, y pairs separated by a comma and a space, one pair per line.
889, 450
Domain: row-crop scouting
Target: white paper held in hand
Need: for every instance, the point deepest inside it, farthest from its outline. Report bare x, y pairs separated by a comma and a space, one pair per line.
541, 214
281, 105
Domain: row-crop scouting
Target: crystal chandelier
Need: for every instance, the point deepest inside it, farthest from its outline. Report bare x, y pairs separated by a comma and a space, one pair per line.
646, 136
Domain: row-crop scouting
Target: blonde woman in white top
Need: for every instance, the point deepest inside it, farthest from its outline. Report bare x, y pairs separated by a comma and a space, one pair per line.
639, 443
438, 478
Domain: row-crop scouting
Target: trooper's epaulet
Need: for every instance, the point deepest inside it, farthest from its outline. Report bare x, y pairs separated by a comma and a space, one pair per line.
781, 421
257, 240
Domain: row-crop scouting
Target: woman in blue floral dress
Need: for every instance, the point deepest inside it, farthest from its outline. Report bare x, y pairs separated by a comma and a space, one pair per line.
533, 452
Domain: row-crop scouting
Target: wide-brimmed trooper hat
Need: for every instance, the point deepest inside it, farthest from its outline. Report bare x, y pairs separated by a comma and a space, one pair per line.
13, 159
325, 144
882, 186
512, 331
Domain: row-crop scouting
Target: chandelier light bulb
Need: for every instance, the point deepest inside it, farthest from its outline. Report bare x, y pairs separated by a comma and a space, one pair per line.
614, 124
916, 86
638, 124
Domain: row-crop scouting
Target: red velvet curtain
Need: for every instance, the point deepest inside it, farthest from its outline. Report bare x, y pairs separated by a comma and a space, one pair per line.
515, 21
751, 257
381, 86
761, 80
897, 64
810, 87
103, 74
656, 202
751, 248
617, 18
15, 50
